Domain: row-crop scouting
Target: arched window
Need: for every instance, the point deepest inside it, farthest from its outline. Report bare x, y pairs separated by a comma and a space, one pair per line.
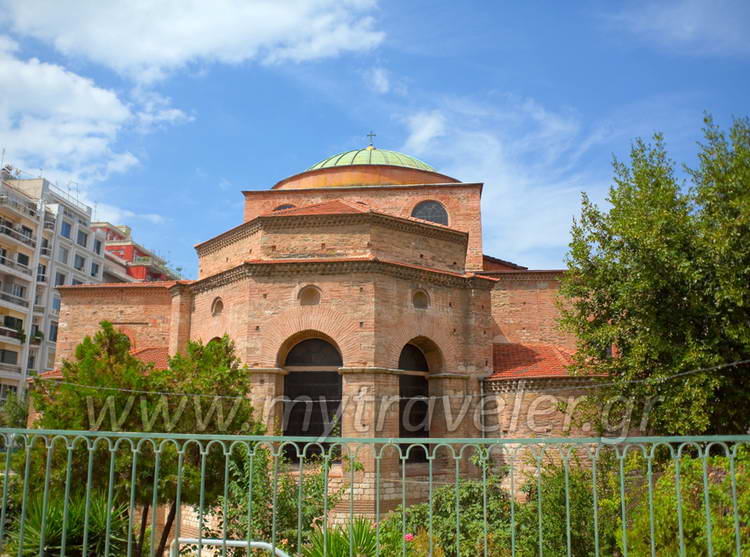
432, 211
420, 299
309, 296
284, 206
313, 394
217, 306
413, 393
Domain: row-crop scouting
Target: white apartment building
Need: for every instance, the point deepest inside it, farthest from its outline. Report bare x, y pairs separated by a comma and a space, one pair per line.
45, 241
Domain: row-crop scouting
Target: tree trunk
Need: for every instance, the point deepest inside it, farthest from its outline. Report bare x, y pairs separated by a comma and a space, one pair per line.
142, 531
167, 529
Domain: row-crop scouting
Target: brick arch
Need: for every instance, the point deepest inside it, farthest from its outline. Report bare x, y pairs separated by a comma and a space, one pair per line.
131, 334
450, 204
296, 338
432, 336
342, 330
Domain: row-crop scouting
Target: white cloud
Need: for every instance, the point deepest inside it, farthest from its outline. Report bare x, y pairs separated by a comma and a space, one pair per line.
118, 215
424, 129
530, 160
56, 120
690, 26
147, 40
155, 110
378, 79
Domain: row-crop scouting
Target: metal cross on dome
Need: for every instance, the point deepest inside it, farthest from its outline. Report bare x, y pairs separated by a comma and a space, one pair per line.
371, 135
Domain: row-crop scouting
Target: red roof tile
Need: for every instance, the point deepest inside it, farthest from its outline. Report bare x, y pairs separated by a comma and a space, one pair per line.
157, 355
524, 361
145, 284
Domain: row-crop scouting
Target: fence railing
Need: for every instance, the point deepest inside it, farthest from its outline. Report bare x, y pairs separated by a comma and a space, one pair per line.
115, 493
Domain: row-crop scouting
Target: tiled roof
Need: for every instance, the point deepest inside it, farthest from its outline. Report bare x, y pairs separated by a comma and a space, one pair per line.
525, 361
145, 284
502, 262
368, 258
157, 355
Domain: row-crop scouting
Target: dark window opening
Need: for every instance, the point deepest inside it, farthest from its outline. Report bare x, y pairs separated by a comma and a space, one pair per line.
283, 207
313, 396
413, 401
431, 211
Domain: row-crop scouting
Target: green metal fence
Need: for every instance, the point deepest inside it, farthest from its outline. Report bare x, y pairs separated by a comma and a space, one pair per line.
113, 493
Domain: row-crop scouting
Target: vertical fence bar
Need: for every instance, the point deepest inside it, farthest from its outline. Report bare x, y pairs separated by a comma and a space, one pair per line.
595, 499
735, 510
110, 495
326, 457
131, 503
274, 497
402, 460
513, 502
155, 499
651, 525
456, 491
623, 513
178, 494
678, 488
378, 455
539, 504
201, 500
430, 534
227, 454
90, 447
251, 475
45, 497
24, 501
707, 503
68, 467
300, 494
9, 439
566, 472
484, 463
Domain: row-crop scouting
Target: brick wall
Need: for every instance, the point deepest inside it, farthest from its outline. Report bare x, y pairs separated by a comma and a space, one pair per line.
462, 201
524, 310
142, 312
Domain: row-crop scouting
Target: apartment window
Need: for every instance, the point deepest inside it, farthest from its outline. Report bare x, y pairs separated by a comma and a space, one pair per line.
18, 290
98, 247
6, 390
63, 254
66, 229
59, 279
31, 361
79, 262
12, 322
23, 259
76, 281
42, 271
94, 269
56, 303
83, 238
53, 331
8, 357
26, 231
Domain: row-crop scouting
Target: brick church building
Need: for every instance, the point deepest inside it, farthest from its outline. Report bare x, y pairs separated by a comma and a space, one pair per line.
363, 276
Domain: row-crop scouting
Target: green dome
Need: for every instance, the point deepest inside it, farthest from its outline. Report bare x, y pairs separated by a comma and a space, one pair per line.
371, 155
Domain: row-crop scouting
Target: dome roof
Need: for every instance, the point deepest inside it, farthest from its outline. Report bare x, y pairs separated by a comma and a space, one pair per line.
372, 155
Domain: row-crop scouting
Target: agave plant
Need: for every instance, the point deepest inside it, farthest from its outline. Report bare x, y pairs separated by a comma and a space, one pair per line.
53, 527
356, 539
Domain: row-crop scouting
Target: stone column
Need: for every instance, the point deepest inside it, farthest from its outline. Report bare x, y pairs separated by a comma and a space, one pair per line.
266, 391
181, 311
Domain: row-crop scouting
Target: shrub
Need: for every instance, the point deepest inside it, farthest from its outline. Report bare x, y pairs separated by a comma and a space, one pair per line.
471, 521
97, 527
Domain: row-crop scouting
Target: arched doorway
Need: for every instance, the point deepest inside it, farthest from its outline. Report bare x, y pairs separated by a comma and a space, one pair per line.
312, 389
413, 398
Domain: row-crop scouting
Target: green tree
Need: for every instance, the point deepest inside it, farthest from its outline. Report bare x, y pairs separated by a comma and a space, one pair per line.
658, 285
106, 388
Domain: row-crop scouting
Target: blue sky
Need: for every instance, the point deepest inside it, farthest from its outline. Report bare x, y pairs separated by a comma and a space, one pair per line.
161, 112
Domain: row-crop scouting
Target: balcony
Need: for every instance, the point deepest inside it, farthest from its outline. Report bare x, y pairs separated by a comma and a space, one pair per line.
13, 299
45, 252
14, 265
16, 235
41, 278
10, 367
8, 333
17, 206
